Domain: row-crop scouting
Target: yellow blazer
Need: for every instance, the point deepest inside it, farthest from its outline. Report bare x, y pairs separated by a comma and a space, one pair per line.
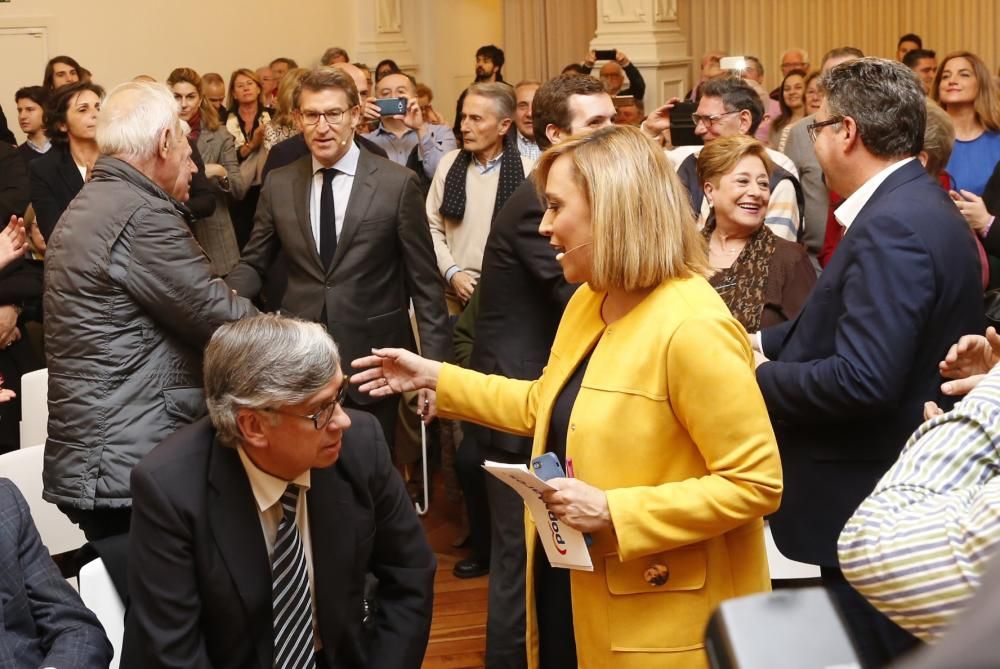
671, 424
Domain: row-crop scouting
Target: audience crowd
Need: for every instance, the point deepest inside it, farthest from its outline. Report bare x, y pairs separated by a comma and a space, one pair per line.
249, 293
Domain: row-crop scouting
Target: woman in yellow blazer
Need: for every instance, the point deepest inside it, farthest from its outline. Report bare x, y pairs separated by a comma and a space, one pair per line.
650, 392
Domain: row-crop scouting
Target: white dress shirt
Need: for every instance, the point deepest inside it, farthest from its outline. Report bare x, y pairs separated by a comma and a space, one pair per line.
342, 184
852, 206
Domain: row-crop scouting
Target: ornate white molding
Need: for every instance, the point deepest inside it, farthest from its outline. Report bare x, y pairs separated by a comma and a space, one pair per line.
622, 11
388, 16
665, 10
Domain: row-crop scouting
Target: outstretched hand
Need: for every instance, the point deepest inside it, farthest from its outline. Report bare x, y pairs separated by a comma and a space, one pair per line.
394, 370
13, 242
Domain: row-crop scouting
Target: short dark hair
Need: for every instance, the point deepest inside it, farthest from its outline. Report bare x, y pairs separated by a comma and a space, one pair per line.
334, 52
913, 56
576, 68
911, 37
387, 62
322, 78
494, 53
47, 82
756, 61
36, 94
551, 103
843, 52
58, 104
736, 95
287, 61
885, 100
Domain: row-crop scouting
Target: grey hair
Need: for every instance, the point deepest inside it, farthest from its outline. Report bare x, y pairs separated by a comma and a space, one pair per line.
262, 361
501, 95
802, 52
885, 100
132, 119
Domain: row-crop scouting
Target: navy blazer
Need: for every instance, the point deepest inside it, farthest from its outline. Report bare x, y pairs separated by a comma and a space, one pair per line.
200, 578
852, 372
43, 622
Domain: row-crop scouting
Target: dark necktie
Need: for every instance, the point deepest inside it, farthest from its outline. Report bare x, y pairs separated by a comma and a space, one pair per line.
292, 602
327, 219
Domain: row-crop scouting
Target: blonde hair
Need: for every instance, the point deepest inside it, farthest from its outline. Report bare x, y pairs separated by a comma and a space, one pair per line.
939, 138
231, 103
987, 104
720, 157
286, 96
643, 227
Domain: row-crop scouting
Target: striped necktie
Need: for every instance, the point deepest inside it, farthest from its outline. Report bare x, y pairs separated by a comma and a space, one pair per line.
292, 603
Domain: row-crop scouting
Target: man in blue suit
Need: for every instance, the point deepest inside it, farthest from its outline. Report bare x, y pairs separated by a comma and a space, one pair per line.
847, 379
43, 622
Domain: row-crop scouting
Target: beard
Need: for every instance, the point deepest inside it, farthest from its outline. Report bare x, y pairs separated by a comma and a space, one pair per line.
481, 74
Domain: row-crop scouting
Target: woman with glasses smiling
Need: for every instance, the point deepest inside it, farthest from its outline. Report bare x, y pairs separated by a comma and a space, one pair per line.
671, 484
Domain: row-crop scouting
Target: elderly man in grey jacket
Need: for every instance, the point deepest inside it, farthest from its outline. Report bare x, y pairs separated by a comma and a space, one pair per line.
130, 303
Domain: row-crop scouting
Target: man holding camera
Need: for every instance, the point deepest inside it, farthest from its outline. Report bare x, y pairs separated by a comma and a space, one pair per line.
352, 229
404, 135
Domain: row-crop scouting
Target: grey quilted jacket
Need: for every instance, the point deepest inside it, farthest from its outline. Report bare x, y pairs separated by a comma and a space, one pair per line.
130, 303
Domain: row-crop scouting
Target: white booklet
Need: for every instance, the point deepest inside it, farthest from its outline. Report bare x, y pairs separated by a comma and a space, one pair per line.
564, 546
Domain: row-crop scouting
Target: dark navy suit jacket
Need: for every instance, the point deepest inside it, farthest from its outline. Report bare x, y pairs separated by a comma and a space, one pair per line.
852, 372
43, 622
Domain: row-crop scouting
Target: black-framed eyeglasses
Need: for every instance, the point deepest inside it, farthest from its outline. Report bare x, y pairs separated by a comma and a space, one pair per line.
709, 121
814, 128
332, 116
324, 414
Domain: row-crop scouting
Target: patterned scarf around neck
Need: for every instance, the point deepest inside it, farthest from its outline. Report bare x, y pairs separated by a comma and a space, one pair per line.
195, 125
511, 176
741, 285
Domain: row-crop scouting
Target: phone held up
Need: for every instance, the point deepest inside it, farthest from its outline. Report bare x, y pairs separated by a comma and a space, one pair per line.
606, 54
391, 106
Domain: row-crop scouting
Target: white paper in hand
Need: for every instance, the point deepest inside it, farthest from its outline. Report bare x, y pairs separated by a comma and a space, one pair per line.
564, 546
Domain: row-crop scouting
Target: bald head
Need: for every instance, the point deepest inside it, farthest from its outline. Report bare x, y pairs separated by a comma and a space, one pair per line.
357, 75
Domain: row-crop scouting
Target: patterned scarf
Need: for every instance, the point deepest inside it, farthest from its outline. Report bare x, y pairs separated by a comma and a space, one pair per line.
511, 176
741, 285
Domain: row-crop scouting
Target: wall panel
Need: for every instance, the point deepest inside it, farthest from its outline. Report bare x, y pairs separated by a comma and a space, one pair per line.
765, 28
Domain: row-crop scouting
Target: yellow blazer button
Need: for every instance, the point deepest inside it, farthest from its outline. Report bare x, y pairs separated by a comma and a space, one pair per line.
656, 575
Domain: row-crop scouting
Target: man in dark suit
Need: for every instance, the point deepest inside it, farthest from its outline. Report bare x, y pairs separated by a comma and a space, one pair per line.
522, 294
354, 233
44, 622
253, 529
850, 375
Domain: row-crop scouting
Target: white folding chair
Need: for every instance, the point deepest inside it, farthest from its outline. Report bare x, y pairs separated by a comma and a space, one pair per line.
34, 407
782, 568
100, 596
24, 468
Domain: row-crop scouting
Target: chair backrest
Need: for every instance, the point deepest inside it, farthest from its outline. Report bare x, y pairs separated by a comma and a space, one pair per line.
34, 407
24, 468
783, 568
100, 596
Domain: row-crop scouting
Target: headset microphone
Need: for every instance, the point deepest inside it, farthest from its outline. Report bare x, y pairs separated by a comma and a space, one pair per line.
560, 256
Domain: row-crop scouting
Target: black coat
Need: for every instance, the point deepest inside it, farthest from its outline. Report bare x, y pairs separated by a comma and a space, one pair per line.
55, 181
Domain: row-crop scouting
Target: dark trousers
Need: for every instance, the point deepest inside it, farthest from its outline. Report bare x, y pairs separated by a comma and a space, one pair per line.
506, 620
99, 523
472, 479
877, 640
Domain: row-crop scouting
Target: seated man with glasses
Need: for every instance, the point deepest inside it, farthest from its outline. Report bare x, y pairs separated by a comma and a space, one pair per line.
354, 235
729, 106
253, 529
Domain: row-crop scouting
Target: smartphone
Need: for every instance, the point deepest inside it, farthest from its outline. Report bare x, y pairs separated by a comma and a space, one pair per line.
681, 125
391, 106
733, 63
546, 466
606, 54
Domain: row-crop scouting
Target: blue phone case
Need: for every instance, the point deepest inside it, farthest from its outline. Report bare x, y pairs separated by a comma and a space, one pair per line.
546, 466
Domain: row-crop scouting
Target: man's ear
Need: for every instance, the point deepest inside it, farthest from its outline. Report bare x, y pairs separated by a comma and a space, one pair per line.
746, 120
849, 133
505, 125
251, 426
163, 144
554, 133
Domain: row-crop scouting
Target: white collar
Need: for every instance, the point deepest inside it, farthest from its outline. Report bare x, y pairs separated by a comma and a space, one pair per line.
348, 163
852, 206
